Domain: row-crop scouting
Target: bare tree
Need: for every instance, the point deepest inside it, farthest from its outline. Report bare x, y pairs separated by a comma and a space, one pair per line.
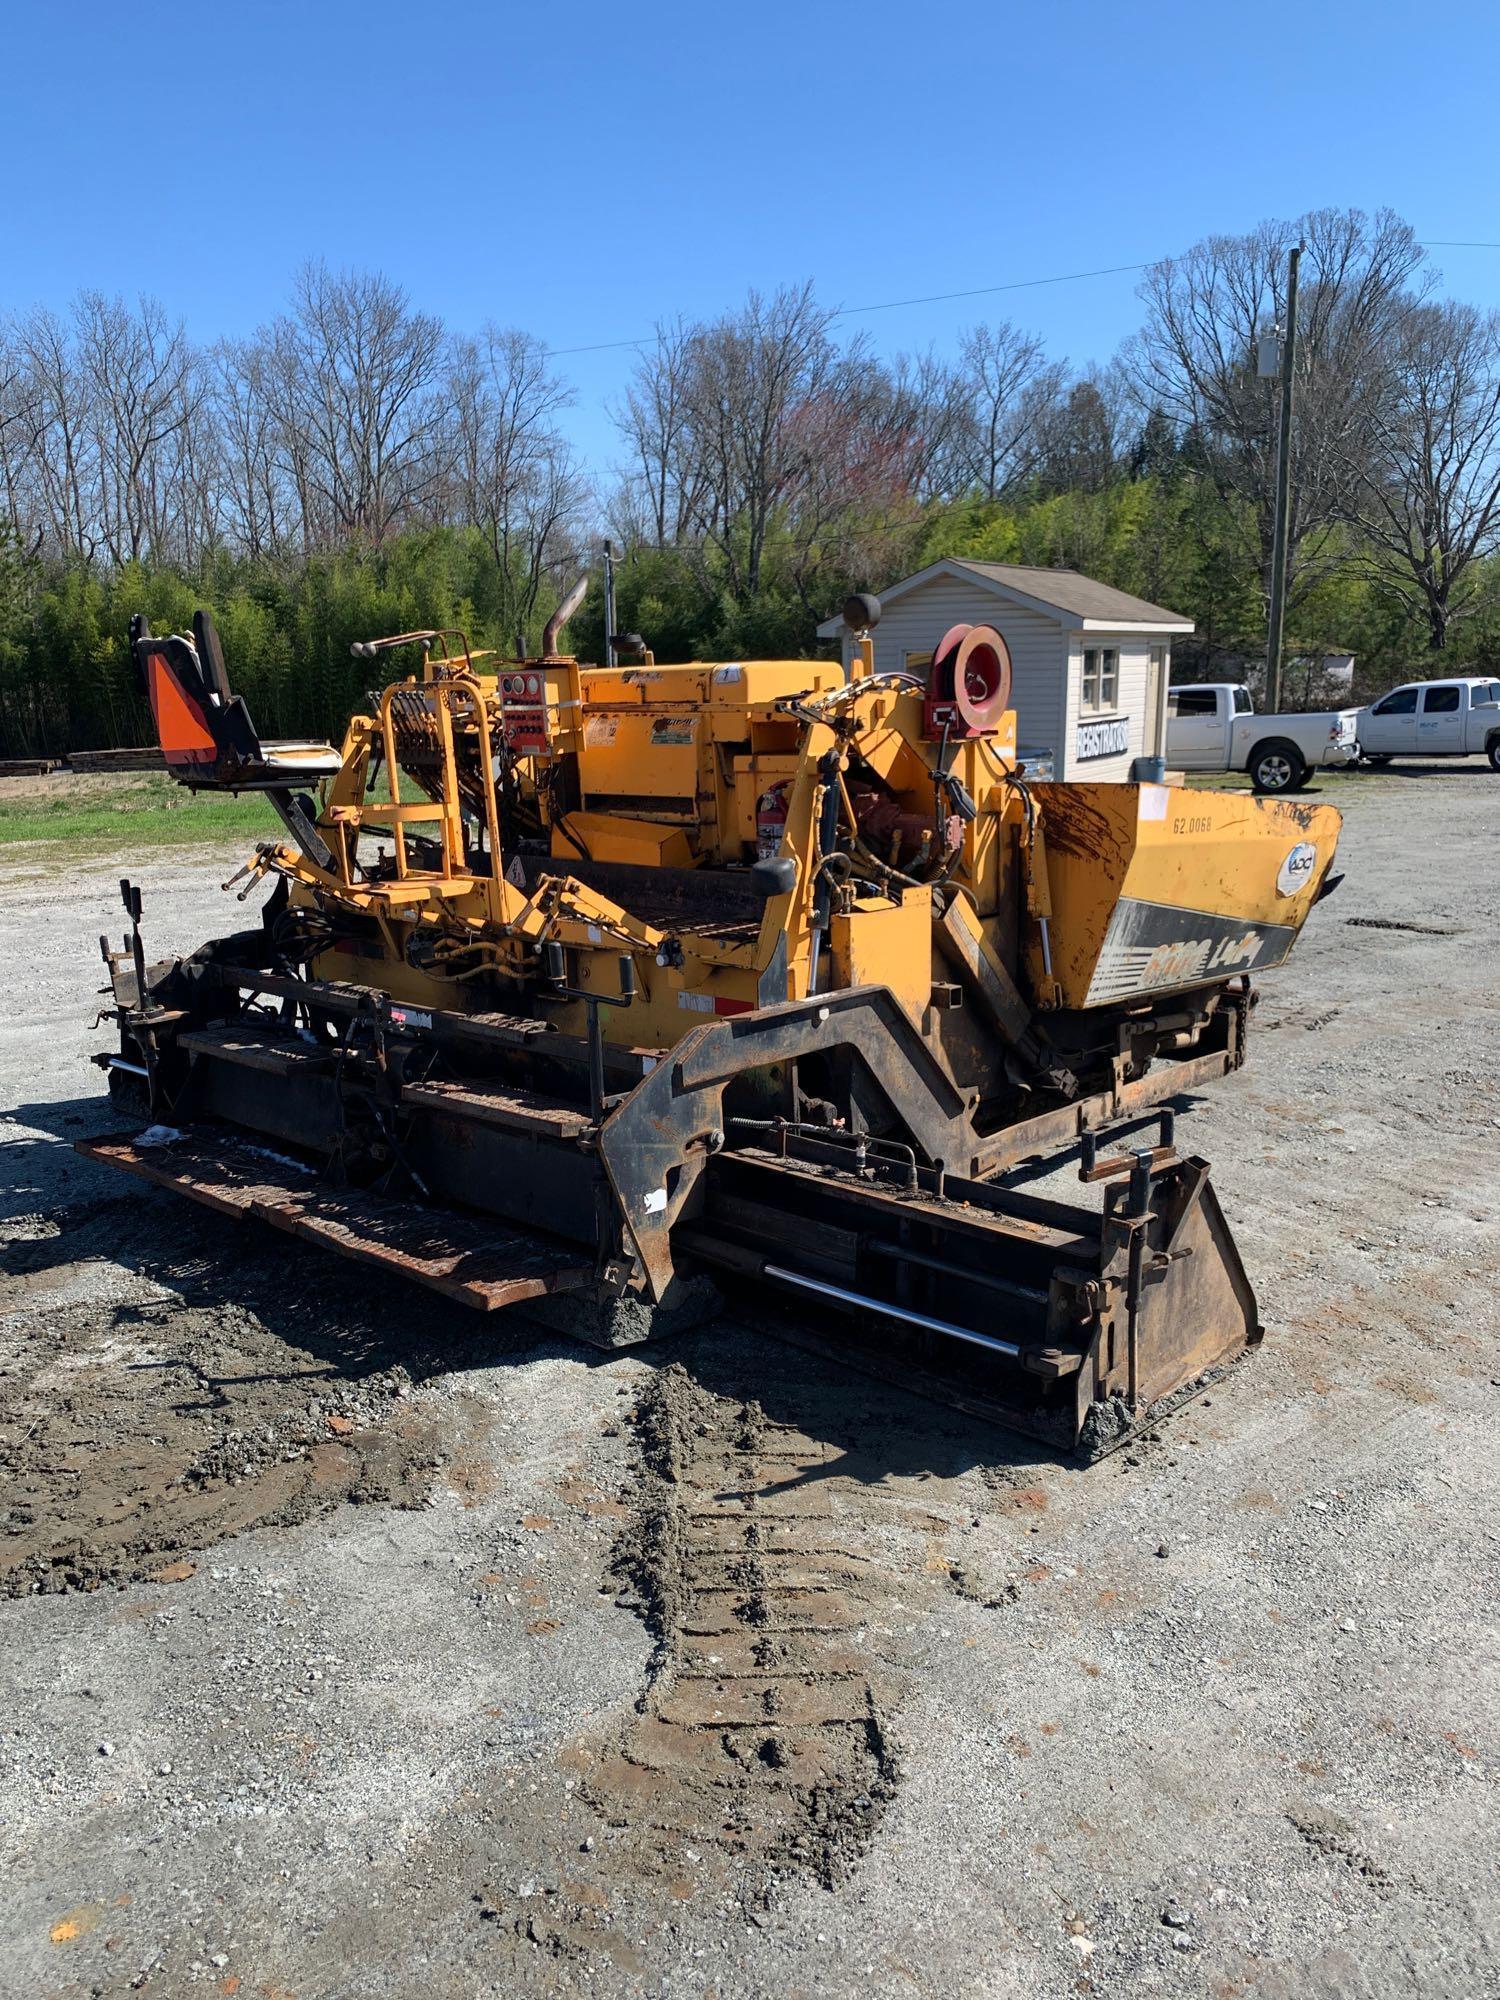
1006, 388
141, 390
1193, 360
352, 374
866, 444
509, 470
664, 488
257, 499
105, 443
62, 460
923, 417
1428, 495
185, 479
21, 427
763, 387
760, 431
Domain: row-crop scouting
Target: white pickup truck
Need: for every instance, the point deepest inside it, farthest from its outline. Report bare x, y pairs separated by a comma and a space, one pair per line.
1433, 719
1213, 726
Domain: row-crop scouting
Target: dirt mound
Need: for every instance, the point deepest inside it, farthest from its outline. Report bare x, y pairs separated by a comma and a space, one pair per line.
211, 1390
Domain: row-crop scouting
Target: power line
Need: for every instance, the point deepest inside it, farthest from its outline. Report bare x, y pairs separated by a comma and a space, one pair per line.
890, 305
988, 291
599, 346
983, 291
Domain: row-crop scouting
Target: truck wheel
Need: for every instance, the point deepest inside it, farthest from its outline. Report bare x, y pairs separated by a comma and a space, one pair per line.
1492, 751
1277, 766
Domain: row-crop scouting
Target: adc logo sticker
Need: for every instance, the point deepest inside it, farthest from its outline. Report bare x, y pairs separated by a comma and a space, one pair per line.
1297, 870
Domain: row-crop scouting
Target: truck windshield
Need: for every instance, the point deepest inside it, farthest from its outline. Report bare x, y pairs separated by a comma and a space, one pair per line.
1243, 705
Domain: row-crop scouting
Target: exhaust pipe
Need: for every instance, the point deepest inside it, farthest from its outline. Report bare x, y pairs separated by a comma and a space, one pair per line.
561, 616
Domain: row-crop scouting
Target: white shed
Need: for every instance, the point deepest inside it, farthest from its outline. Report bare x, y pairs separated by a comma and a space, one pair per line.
1091, 663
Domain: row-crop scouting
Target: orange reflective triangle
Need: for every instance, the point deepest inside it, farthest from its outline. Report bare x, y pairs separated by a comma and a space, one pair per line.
180, 728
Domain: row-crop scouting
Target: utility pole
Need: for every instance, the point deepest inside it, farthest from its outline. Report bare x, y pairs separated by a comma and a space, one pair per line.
609, 603
1283, 490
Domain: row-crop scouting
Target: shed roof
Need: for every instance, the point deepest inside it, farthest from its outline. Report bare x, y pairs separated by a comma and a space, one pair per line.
1064, 594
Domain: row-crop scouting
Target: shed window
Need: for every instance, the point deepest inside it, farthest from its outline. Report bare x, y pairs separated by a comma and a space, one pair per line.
1101, 678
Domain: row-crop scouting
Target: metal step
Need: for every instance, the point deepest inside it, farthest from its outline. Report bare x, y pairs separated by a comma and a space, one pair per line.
477, 1261
507, 1104
271, 1050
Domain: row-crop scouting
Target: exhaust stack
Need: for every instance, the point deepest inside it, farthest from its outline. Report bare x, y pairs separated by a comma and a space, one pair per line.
560, 617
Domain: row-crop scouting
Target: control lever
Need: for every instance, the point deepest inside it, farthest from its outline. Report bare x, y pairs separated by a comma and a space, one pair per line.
555, 968
145, 1012
130, 896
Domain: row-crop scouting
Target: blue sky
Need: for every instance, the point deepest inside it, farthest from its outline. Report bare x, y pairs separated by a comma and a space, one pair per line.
582, 170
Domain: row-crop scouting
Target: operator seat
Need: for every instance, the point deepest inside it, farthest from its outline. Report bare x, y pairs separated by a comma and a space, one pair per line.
205, 732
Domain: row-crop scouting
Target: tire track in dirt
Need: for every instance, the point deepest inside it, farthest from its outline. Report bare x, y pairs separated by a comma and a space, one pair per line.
762, 1731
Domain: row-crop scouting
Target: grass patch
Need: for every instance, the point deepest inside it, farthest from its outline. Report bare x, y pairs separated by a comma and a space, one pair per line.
120, 810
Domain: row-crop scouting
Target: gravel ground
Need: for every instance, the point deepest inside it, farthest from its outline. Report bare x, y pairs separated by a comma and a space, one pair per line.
355, 1648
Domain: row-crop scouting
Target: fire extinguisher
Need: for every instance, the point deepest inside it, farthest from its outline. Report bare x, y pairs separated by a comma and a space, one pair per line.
770, 822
